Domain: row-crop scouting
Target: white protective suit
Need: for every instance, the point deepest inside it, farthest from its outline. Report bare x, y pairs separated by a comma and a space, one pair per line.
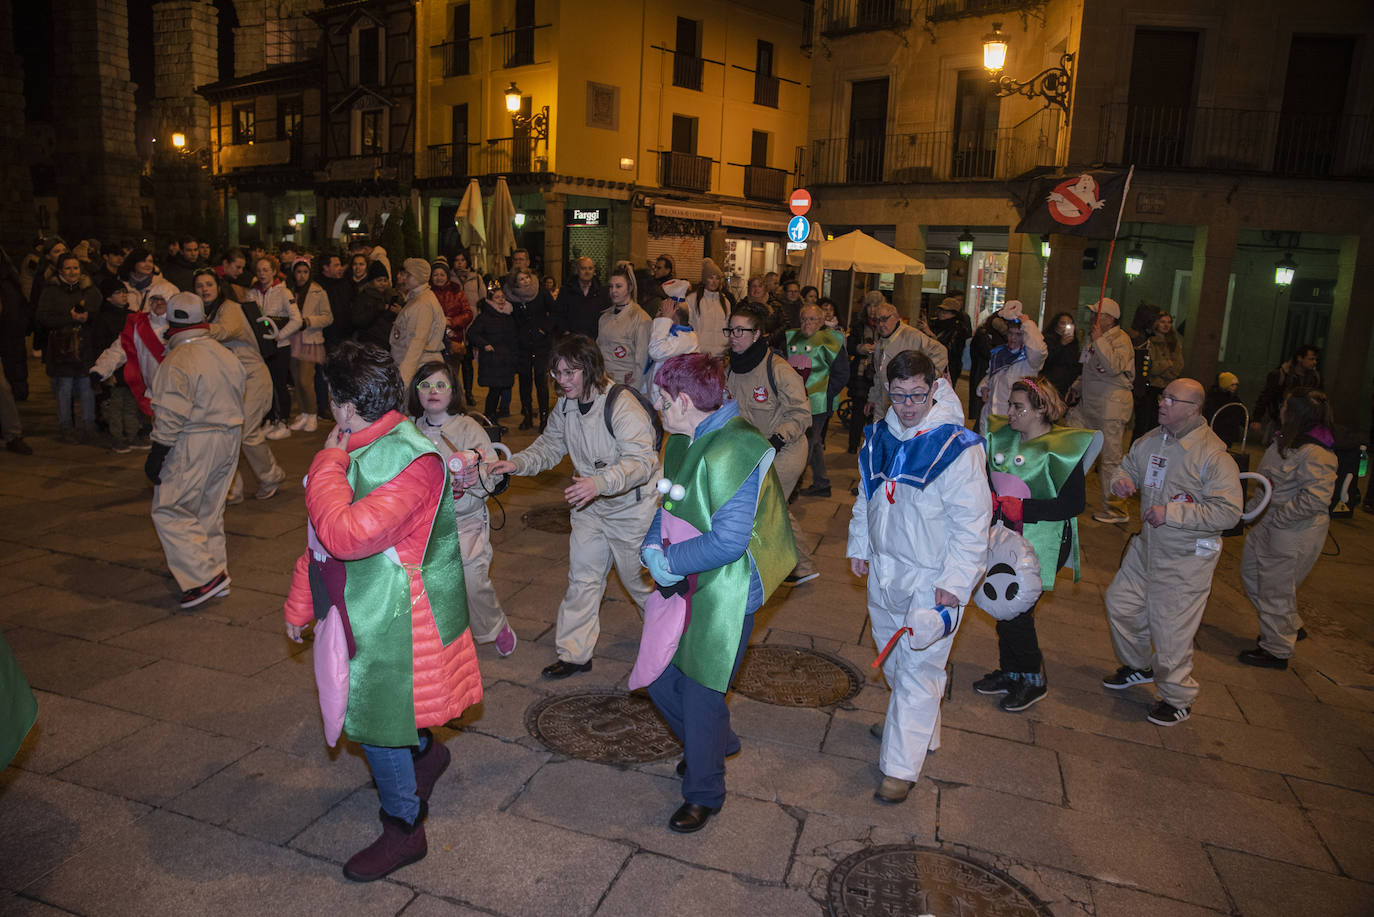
1283, 547
417, 335
623, 337
904, 337
777, 404
611, 528
197, 400
229, 326
664, 343
914, 541
996, 385
1106, 404
1162, 587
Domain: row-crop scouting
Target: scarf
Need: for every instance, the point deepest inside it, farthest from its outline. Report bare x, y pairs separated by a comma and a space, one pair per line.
745, 362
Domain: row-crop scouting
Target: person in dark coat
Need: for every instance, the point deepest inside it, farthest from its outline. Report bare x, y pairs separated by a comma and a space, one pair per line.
991, 334
1061, 365
15, 323
533, 309
68, 303
375, 306
952, 328
580, 302
1231, 424
494, 336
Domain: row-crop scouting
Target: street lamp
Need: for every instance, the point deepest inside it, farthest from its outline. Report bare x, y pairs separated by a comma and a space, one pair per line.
1045, 249
537, 124
519, 219
251, 219
966, 244
1135, 262
1051, 84
300, 218
179, 140
1284, 269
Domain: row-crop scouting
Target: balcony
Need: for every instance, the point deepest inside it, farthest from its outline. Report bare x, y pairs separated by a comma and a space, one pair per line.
515, 46
1238, 140
684, 171
847, 17
456, 57
447, 166
935, 156
766, 89
762, 183
943, 10
373, 167
687, 70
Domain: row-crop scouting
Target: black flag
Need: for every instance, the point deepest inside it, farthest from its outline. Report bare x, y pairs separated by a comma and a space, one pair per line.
1087, 203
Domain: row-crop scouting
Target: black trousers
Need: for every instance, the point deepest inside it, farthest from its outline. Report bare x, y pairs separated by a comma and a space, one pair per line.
1018, 647
533, 364
858, 397
279, 367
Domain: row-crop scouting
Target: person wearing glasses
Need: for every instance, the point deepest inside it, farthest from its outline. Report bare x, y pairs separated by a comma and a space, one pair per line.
919, 531
895, 336
773, 398
1022, 355
1189, 494
1038, 471
611, 494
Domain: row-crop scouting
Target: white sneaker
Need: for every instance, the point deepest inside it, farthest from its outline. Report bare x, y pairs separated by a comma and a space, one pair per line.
278, 431
312, 423
1111, 517
299, 423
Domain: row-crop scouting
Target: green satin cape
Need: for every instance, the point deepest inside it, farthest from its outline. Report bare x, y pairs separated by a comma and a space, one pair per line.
18, 708
822, 349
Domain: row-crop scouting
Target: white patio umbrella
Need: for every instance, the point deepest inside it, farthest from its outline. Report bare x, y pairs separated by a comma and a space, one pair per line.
472, 228
859, 252
500, 227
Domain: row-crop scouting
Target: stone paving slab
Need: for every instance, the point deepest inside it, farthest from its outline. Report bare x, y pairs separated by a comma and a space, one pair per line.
655, 886
194, 640
1115, 901
66, 665
1273, 749
430, 906
172, 865
1265, 888
68, 730
1349, 840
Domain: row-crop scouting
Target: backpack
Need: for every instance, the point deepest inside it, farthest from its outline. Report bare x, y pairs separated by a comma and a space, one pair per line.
644, 402
266, 346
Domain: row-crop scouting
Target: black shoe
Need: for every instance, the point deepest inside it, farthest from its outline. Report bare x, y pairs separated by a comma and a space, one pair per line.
682, 765
814, 491
995, 682
690, 817
1023, 695
527, 423
563, 668
1127, 677
1262, 658
193, 597
854, 491
18, 445
1165, 714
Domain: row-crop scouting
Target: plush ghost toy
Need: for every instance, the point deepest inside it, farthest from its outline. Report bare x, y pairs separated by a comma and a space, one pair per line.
1012, 583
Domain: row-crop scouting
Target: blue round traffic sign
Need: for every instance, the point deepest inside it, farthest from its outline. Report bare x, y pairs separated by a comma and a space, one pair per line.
798, 228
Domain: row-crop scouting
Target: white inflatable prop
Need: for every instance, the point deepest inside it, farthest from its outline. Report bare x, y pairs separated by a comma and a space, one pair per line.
1012, 583
1268, 492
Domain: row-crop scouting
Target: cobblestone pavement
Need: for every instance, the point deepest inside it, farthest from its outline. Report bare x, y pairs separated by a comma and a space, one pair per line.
178, 764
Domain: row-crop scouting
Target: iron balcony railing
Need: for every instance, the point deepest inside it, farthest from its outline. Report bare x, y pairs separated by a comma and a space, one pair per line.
843, 17
457, 56
687, 70
762, 183
766, 89
684, 171
516, 45
446, 163
1238, 140
381, 167
932, 156
938, 10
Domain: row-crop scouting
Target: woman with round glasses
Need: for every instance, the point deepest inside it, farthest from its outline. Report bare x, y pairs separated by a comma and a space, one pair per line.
772, 397
1039, 472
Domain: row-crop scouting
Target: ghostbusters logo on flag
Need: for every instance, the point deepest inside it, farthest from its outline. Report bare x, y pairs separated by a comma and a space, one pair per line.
760, 394
620, 351
1073, 201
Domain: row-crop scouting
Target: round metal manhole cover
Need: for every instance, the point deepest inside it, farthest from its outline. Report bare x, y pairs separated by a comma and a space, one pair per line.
608, 727
897, 879
550, 517
795, 676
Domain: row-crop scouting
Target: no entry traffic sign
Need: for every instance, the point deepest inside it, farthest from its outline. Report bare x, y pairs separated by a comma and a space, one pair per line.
800, 201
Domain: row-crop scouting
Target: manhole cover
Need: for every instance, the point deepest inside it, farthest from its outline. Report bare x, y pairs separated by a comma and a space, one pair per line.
794, 676
551, 517
608, 727
896, 879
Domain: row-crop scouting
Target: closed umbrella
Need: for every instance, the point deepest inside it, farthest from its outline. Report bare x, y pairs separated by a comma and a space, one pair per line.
501, 227
812, 272
472, 228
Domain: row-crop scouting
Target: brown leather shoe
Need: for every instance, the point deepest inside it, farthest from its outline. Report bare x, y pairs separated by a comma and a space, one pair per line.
893, 790
400, 845
429, 765
690, 817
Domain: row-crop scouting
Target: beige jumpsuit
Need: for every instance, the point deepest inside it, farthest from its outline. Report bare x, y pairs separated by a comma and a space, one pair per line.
787, 413
623, 337
230, 328
1106, 405
903, 337
485, 614
1283, 547
610, 529
1162, 587
197, 399
417, 336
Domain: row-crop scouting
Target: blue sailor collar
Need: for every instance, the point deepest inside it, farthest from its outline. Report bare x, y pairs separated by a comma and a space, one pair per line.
916, 461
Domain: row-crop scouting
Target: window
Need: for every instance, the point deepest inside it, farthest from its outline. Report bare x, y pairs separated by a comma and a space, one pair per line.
1311, 134
369, 56
976, 110
1159, 116
520, 50
687, 63
289, 113
456, 62
867, 130
765, 83
370, 133
684, 134
245, 123
758, 149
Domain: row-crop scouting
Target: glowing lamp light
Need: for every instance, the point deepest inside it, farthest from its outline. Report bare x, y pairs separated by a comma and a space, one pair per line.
1135, 262
251, 219
291, 221
1045, 249
353, 224
513, 98
179, 141
995, 46
627, 164
300, 218
519, 219
966, 244
1284, 269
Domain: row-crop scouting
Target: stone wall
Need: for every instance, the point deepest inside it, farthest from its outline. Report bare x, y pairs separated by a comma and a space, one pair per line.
16, 191
185, 44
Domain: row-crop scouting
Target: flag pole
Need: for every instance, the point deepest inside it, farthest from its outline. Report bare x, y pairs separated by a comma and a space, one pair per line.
1106, 270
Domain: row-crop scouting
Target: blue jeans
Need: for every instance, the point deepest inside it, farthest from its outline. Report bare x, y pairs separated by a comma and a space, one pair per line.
63, 388
699, 717
394, 771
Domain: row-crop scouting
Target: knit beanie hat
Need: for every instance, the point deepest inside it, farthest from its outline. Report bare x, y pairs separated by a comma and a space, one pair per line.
417, 268
710, 269
110, 286
1227, 380
376, 269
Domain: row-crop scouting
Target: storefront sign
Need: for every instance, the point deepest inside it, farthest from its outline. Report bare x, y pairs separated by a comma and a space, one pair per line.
598, 217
